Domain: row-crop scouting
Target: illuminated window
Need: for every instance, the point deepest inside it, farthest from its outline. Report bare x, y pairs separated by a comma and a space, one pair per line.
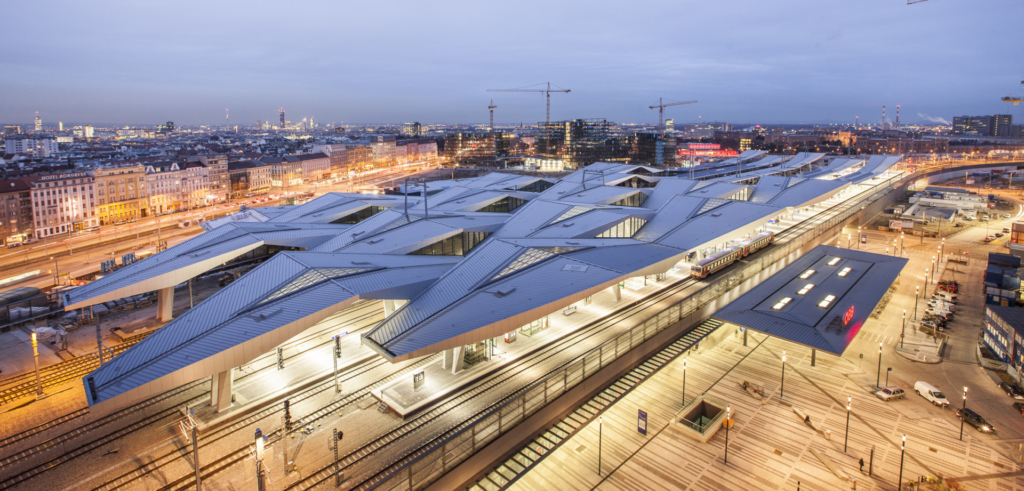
805, 289
828, 300
834, 261
806, 274
782, 303
845, 271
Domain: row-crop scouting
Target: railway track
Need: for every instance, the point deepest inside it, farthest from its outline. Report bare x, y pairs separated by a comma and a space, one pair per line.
359, 456
352, 458
366, 316
24, 385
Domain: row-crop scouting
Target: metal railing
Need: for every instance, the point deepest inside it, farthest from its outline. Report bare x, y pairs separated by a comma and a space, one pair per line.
426, 464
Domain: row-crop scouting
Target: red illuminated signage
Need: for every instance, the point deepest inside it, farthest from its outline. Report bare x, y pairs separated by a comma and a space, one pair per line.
848, 316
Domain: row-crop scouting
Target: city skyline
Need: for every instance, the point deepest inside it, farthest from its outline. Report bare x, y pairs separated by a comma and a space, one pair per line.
795, 63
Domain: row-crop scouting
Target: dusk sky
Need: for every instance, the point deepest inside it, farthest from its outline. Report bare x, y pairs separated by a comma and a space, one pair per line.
784, 61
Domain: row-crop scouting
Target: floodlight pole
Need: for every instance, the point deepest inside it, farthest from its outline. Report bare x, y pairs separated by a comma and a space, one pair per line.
684, 381
879, 377
728, 423
782, 386
846, 440
903, 332
963, 414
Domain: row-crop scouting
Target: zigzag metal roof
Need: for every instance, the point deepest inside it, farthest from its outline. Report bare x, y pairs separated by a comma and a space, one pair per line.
525, 264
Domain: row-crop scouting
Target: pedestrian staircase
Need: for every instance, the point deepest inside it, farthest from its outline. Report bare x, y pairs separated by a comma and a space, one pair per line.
505, 474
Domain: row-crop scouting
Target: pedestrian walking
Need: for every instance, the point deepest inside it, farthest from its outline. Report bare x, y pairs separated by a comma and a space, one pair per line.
862, 464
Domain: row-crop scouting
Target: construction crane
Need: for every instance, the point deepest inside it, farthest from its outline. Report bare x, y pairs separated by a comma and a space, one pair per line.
547, 92
661, 112
911, 2
491, 107
1015, 100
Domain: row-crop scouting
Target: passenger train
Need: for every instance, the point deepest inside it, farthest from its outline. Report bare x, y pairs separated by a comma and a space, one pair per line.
729, 255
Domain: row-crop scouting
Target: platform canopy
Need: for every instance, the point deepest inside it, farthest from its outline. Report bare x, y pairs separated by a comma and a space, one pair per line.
475, 258
821, 300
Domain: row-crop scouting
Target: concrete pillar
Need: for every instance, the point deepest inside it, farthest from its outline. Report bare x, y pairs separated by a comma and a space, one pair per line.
745, 336
389, 308
225, 386
814, 356
447, 359
165, 304
213, 390
460, 358
617, 292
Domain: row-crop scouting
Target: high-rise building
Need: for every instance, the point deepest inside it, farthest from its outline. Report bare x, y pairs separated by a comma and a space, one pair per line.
981, 125
670, 125
577, 143
653, 149
12, 130
39, 122
282, 118
60, 126
412, 129
88, 131
476, 146
39, 146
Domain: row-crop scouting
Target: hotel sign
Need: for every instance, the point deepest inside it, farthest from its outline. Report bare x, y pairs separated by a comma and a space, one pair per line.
848, 316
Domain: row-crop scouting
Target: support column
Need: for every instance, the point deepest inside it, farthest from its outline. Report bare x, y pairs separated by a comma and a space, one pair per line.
225, 386
389, 308
213, 390
447, 359
814, 356
745, 331
460, 358
165, 304
617, 292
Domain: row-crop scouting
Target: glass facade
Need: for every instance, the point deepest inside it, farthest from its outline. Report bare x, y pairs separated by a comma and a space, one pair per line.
623, 230
360, 215
579, 142
536, 186
635, 199
456, 245
504, 205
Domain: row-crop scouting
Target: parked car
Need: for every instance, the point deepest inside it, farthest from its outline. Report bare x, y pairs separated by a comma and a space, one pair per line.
889, 393
1019, 406
990, 238
13, 244
930, 393
1011, 390
1006, 230
974, 419
998, 234
1006, 215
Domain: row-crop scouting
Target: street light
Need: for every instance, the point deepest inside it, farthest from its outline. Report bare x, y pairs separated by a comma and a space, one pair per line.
35, 357
903, 451
879, 377
782, 386
728, 423
849, 402
962, 414
903, 332
684, 381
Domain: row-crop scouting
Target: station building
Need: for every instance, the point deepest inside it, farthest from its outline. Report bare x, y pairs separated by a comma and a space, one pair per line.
454, 264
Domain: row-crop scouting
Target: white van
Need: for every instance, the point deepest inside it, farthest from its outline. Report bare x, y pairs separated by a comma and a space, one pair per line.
929, 392
941, 305
946, 296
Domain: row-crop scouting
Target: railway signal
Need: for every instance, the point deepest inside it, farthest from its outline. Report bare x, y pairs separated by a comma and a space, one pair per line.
335, 444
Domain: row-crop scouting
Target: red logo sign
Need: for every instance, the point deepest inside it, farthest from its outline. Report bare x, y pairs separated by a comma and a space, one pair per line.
848, 316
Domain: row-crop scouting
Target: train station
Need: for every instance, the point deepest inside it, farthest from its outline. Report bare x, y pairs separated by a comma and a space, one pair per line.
462, 273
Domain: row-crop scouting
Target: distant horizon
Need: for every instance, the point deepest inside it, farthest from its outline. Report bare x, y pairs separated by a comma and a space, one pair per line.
793, 62
68, 125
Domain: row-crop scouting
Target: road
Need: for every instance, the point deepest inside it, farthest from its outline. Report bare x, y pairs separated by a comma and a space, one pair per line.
959, 367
